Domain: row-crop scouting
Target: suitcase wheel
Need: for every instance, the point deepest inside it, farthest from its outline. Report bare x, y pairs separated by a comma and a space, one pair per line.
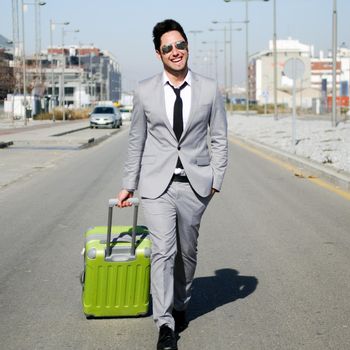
82, 278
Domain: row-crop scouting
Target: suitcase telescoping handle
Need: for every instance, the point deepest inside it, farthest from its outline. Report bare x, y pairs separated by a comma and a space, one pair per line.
111, 204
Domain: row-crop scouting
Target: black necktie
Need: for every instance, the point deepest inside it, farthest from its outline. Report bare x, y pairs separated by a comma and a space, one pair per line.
178, 120
178, 124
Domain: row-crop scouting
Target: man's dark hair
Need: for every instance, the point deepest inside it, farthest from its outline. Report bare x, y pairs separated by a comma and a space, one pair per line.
163, 27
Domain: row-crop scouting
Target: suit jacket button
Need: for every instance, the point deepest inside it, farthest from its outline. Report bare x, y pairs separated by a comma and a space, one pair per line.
179, 148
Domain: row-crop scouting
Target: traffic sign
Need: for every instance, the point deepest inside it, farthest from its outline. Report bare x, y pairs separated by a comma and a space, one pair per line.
294, 68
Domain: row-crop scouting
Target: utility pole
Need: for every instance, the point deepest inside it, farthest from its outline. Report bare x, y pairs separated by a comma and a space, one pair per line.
246, 60
230, 22
334, 66
101, 71
63, 93
37, 37
80, 77
24, 68
275, 62
16, 58
52, 76
62, 78
195, 32
53, 95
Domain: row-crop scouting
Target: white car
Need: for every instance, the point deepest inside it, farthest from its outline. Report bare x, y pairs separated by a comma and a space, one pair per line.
126, 112
107, 116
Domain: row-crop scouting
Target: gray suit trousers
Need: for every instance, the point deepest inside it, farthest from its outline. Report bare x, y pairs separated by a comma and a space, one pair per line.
173, 220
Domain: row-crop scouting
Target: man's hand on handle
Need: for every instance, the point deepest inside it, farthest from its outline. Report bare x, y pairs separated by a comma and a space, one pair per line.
123, 197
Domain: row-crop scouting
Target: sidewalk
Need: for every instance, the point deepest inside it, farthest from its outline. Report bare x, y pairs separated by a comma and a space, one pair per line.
41, 132
320, 151
25, 150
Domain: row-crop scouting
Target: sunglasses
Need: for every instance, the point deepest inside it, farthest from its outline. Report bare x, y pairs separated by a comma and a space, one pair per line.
180, 45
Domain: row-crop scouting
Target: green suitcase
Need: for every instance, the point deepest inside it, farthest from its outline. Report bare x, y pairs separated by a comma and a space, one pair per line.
116, 277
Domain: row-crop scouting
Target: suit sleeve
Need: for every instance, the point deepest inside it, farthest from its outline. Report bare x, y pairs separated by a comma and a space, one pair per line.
218, 140
137, 138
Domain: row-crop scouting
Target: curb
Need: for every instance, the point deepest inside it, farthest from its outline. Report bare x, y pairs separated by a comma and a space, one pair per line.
337, 178
6, 144
71, 131
81, 145
93, 142
20, 129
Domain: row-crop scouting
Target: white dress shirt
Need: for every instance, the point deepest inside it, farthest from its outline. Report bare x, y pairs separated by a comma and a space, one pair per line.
170, 98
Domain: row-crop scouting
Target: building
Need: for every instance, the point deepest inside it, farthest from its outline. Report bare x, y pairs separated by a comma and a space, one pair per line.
261, 68
315, 85
6, 71
87, 73
322, 77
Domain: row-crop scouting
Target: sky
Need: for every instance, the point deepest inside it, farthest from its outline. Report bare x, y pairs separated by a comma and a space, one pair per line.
124, 27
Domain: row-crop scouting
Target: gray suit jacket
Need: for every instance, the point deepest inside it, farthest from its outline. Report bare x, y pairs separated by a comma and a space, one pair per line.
153, 148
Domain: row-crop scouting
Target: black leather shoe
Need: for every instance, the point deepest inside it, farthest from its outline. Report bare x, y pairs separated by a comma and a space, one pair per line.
180, 319
167, 339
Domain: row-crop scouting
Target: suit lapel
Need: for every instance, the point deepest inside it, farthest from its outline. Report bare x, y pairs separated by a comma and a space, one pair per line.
162, 108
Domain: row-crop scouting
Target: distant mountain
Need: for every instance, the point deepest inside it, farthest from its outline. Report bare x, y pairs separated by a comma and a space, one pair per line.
4, 42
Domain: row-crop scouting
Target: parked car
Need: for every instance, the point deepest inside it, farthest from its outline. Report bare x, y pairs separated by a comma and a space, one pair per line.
126, 112
107, 116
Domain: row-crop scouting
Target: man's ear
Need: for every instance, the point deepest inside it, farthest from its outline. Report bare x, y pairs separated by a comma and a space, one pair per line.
158, 55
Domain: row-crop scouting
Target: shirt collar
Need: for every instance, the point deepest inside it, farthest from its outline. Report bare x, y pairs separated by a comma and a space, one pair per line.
188, 78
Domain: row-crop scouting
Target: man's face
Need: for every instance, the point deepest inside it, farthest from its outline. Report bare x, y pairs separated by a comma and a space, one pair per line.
174, 61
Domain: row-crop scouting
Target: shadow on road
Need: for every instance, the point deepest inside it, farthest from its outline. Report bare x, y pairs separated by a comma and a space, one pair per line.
215, 291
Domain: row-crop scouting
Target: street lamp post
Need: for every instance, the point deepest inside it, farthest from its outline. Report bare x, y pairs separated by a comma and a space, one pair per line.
216, 50
247, 49
275, 62
38, 4
23, 4
24, 67
101, 78
63, 97
334, 65
225, 68
246, 59
17, 60
230, 22
195, 32
52, 27
90, 80
80, 77
52, 80
11, 42
62, 92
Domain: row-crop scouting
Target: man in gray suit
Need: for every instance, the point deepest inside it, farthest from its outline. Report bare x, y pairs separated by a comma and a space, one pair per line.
175, 115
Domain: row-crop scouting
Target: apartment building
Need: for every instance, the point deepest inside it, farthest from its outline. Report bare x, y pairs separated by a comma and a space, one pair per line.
87, 74
6, 71
315, 85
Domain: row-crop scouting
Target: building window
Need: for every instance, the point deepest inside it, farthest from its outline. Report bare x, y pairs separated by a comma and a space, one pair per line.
69, 91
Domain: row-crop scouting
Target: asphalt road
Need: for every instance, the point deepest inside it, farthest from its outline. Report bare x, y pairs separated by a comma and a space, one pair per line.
273, 267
